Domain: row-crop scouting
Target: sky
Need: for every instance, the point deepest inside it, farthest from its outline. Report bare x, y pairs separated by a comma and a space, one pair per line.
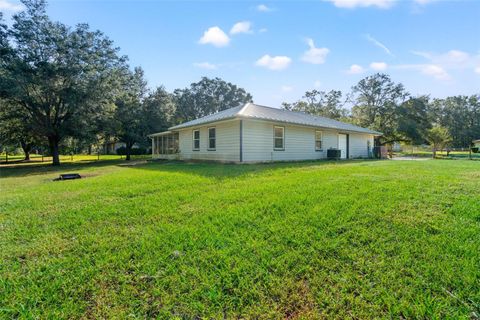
277, 50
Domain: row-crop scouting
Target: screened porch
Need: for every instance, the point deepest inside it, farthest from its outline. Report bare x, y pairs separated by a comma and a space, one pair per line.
165, 145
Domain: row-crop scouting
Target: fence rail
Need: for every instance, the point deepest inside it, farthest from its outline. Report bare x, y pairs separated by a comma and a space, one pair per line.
427, 152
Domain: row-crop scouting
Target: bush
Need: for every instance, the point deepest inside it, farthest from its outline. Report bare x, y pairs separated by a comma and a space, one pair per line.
135, 151
475, 149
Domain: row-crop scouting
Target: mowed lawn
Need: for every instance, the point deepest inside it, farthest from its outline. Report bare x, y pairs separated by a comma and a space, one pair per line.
357, 239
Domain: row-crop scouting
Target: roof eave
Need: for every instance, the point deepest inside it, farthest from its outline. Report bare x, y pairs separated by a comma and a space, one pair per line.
180, 127
375, 133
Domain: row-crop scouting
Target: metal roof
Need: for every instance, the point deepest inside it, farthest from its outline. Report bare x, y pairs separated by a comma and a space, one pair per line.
255, 111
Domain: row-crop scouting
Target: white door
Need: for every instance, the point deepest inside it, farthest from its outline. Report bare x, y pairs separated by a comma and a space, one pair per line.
342, 145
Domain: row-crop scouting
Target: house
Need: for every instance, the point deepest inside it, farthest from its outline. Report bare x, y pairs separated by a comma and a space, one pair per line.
476, 143
254, 133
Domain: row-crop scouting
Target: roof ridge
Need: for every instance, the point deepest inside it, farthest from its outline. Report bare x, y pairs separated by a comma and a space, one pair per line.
240, 112
312, 115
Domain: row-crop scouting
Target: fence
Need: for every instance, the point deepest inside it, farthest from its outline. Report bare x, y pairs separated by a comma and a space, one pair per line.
424, 151
37, 158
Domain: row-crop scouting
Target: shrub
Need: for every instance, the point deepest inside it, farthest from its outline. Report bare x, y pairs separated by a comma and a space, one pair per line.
475, 149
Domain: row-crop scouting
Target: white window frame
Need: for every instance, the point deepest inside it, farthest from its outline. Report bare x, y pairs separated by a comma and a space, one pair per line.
214, 138
321, 140
193, 140
275, 137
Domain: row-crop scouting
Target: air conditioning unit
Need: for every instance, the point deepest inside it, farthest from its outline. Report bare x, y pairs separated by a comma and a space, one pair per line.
334, 154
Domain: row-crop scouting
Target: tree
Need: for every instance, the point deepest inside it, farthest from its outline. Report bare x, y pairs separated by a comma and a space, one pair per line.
438, 137
206, 97
138, 112
14, 130
460, 115
59, 77
376, 99
160, 110
129, 116
412, 119
320, 103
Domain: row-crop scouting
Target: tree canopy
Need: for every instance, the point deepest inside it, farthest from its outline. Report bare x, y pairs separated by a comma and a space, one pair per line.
56, 76
206, 97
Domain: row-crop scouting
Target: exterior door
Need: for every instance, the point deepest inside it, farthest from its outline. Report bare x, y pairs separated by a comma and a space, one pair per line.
342, 145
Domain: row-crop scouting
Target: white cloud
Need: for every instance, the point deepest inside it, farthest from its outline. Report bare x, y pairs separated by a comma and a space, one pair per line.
355, 69
274, 63
382, 4
422, 54
205, 65
351, 4
457, 56
317, 84
451, 60
263, 30
423, 2
315, 55
241, 27
215, 36
435, 71
477, 70
378, 44
287, 88
263, 8
378, 66
8, 6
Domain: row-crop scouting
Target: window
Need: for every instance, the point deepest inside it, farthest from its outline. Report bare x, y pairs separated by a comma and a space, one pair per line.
278, 138
318, 141
196, 140
212, 135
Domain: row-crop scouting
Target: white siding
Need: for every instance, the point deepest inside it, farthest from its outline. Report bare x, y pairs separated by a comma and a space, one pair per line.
227, 142
299, 142
359, 145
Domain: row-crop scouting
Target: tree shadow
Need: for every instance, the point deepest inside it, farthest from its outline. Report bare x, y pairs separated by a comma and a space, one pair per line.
31, 169
201, 168
230, 170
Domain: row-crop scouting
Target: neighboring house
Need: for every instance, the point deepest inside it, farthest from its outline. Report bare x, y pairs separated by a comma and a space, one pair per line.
476, 143
112, 147
396, 147
254, 133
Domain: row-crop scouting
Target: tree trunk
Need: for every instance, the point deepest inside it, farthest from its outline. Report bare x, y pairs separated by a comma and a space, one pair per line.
53, 144
26, 150
128, 150
434, 153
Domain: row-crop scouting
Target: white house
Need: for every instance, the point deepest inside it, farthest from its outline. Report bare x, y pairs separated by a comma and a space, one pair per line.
254, 133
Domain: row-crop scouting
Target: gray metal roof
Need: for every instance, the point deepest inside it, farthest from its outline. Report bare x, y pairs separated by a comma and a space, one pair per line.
255, 111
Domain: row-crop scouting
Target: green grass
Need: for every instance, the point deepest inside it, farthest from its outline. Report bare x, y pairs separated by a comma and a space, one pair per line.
440, 154
37, 160
357, 239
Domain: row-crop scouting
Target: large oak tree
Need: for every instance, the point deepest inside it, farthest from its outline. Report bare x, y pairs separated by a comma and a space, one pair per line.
59, 77
206, 97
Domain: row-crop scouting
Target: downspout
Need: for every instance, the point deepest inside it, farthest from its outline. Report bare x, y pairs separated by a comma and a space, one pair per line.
348, 146
241, 140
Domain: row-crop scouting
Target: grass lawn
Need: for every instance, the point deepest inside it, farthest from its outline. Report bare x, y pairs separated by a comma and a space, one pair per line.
36, 159
357, 239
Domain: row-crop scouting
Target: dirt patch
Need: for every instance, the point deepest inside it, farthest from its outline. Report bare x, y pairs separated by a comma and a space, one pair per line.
133, 163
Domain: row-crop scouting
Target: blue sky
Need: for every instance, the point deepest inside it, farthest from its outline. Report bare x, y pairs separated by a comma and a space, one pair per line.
277, 50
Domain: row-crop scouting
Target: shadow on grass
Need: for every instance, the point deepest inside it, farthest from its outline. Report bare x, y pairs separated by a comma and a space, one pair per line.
206, 169
230, 170
37, 169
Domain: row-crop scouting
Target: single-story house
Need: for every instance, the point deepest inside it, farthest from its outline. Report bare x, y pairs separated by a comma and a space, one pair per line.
254, 133
476, 143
